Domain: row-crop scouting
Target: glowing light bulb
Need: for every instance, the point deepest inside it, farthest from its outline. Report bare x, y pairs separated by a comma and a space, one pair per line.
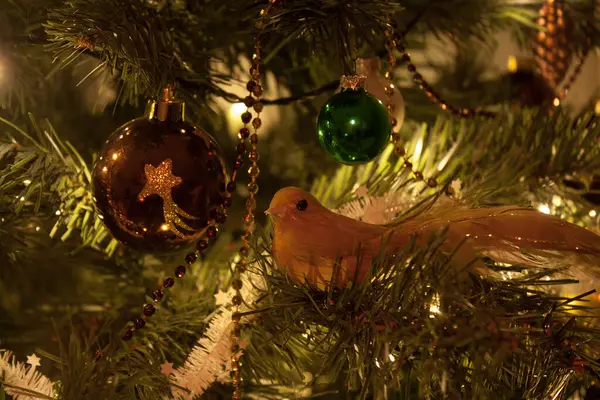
376, 84
512, 64
544, 208
593, 213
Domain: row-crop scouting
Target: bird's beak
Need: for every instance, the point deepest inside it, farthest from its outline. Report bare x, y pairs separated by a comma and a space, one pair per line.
276, 211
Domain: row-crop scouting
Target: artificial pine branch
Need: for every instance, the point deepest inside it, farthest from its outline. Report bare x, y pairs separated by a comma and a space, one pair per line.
22, 382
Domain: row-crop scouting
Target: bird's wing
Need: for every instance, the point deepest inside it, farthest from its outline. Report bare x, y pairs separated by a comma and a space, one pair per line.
323, 245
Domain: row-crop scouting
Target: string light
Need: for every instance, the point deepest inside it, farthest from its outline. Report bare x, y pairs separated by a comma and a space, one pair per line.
512, 64
544, 208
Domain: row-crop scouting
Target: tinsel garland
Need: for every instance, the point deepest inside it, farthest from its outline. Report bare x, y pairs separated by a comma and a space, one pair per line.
22, 382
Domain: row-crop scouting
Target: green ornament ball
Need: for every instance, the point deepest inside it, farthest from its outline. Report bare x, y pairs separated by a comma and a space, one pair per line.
354, 126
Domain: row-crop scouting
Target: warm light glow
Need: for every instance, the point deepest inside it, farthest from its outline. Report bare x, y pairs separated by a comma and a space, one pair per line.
418, 150
164, 227
556, 102
392, 358
27, 182
597, 108
512, 64
237, 109
434, 308
593, 213
115, 156
104, 169
544, 208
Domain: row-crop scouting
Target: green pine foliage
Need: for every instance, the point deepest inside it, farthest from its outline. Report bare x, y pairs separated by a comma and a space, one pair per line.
414, 330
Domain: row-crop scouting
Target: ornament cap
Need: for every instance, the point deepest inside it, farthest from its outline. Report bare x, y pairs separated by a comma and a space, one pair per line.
353, 82
167, 108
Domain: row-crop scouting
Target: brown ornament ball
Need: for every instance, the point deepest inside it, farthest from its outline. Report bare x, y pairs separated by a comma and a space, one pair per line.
158, 179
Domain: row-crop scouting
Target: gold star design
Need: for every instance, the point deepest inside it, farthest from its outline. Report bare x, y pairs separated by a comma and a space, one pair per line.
161, 181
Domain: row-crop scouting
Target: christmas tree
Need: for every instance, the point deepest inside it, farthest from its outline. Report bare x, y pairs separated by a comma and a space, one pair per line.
299, 199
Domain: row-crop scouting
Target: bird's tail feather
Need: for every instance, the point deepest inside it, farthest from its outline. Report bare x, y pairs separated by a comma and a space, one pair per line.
515, 235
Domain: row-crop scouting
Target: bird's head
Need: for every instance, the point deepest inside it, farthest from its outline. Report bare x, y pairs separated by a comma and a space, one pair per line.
292, 202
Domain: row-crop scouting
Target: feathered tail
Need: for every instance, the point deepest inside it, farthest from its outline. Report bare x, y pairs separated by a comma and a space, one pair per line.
513, 235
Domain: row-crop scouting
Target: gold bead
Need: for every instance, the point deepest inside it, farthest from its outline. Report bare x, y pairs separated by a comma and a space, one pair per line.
253, 187
253, 171
251, 203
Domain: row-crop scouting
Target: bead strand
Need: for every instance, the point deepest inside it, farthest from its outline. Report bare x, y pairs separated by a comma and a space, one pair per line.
395, 39
252, 100
389, 92
567, 86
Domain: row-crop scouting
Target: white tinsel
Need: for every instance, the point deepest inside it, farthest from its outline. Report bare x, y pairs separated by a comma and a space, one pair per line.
209, 361
21, 381
375, 209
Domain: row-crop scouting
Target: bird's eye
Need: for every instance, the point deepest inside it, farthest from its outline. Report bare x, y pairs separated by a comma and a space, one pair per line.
301, 205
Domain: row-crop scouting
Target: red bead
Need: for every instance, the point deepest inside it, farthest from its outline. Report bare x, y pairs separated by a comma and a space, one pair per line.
139, 323
221, 218
249, 101
250, 86
127, 335
211, 232
149, 310
238, 164
191, 258
180, 271
202, 244
241, 148
246, 117
244, 133
157, 295
169, 282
